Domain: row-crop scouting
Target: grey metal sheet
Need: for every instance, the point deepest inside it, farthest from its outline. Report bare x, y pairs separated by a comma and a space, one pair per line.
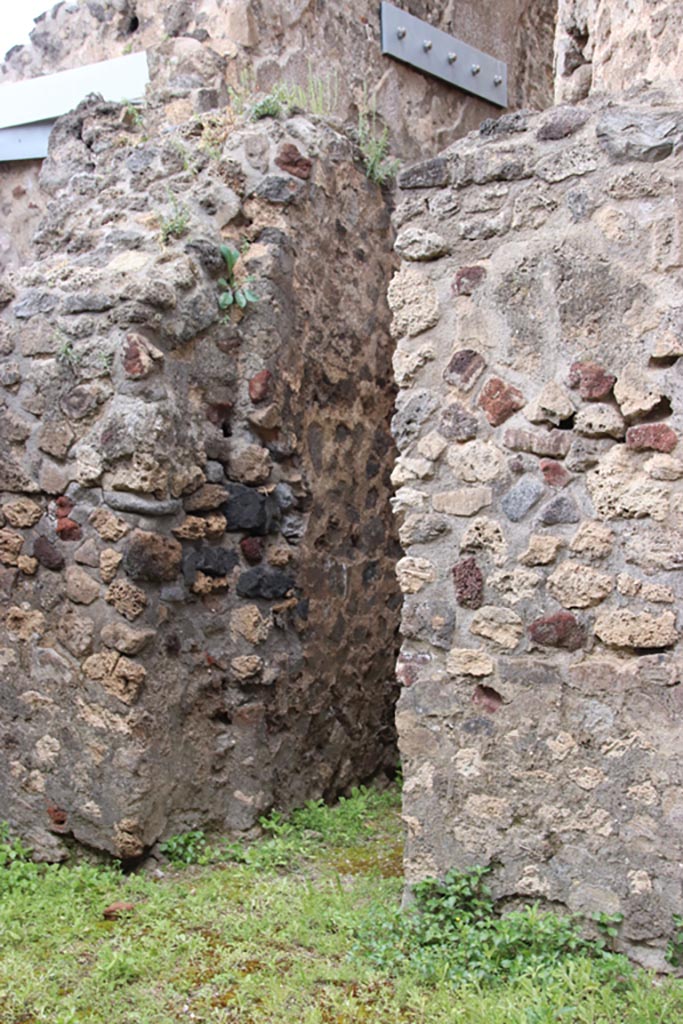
25, 141
417, 43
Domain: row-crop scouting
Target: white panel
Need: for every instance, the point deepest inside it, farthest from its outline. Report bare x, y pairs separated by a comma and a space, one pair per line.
50, 96
25, 142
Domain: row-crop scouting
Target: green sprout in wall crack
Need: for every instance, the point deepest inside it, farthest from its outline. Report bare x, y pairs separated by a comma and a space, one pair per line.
233, 293
175, 226
374, 146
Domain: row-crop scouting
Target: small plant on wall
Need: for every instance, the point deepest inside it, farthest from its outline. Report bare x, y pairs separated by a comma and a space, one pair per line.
233, 292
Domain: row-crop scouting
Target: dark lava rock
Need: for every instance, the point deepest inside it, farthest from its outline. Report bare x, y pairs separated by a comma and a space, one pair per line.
250, 510
263, 582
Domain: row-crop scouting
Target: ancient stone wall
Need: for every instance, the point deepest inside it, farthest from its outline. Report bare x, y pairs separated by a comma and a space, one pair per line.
199, 605
538, 313
618, 46
331, 49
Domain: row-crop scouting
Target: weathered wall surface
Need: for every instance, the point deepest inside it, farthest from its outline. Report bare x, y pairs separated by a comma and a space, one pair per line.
22, 205
259, 43
617, 46
199, 606
538, 313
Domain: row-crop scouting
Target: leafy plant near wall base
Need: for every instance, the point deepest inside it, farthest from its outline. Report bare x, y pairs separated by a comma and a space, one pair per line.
454, 934
233, 292
187, 848
608, 926
674, 949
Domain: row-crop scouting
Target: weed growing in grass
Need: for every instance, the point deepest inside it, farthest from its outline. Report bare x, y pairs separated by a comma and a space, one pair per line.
187, 848
256, 943
608, 925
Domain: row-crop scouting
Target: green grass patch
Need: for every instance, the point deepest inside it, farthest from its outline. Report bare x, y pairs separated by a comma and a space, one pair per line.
303, 926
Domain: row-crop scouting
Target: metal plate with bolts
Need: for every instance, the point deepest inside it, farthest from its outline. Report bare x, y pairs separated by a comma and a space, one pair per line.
419, 44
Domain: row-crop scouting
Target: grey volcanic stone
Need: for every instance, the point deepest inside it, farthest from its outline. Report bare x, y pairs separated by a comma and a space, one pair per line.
561, 122
280, 191
33, 302
522, 497
634, 135
457, 424
562, 509
428, 174
123, 501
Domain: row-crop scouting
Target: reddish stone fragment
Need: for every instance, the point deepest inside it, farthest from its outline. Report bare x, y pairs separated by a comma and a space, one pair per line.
592, 380
552, 443
489, 699
464, 368
500, 400
63, 506
57, 815
408, 666
655, 437
554, 473
68, 529
259, 386
467, 279
252, 549
116, 910
469, 583
289, 159
136, 360
558, 630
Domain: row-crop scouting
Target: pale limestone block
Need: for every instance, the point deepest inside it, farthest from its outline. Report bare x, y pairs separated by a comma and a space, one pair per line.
633, 392
514, 585
485, 534
464, 501
499, 625
432, 446
466, 661
542, 549
579, 586
664, 467
407, 364
413, 301
551, 405
477, 462
592, 539
414, 574
626, 628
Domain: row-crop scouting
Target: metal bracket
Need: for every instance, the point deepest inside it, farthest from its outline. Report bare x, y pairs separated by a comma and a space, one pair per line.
419, 44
